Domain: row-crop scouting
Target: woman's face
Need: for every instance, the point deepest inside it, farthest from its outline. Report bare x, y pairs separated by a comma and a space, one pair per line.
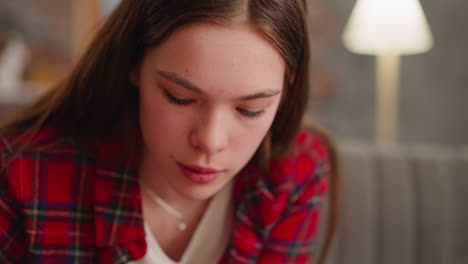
208, 95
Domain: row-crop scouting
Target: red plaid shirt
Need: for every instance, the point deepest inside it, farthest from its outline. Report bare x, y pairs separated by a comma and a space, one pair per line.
60, 203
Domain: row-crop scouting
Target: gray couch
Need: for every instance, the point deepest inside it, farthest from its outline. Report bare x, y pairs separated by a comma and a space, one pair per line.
402, 205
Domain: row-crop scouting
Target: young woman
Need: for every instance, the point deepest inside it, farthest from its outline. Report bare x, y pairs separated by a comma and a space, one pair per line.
176, 139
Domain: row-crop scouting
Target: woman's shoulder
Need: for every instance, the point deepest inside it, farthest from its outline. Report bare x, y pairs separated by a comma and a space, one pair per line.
24, 141
297, 180
41, 148
53, 141
308, 157
304, 171
42, 155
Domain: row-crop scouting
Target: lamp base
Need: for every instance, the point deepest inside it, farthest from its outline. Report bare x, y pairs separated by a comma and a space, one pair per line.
388, 80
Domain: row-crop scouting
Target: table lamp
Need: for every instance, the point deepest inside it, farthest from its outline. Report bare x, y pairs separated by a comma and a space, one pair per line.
387, 29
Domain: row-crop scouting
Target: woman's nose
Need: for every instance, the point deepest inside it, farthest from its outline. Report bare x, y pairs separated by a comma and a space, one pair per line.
210, 134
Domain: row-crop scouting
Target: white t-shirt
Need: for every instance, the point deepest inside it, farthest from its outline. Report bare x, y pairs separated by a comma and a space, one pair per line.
209, 240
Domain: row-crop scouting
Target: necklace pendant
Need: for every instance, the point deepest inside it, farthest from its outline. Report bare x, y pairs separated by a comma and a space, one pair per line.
182, 226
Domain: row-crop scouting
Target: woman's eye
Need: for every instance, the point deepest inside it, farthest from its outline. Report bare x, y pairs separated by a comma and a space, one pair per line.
250, 114
176, 100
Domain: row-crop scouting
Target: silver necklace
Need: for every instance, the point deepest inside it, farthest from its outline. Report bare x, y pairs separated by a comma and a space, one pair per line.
182, 226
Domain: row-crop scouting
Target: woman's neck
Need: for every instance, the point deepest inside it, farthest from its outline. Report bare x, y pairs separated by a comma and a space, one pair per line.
164, 227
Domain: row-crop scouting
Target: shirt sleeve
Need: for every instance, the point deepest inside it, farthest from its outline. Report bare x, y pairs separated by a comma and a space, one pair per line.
293, 238
12, 238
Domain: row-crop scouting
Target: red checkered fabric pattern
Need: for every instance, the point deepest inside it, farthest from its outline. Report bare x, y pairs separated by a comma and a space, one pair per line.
64, 202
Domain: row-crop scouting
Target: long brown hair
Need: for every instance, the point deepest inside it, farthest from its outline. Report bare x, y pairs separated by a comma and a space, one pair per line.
96, 100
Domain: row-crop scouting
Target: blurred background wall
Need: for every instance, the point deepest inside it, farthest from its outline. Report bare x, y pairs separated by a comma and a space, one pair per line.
46, 27
433, 89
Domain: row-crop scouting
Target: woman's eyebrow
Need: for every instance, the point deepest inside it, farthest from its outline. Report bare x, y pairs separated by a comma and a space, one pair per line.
176, 78
262, 94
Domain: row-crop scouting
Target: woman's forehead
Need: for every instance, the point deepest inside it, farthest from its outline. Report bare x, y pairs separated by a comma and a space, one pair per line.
213, 56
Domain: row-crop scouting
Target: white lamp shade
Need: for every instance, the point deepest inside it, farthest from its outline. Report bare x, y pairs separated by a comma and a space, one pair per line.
387, 27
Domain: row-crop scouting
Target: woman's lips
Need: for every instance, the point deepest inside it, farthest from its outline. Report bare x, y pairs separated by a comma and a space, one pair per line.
199, 174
